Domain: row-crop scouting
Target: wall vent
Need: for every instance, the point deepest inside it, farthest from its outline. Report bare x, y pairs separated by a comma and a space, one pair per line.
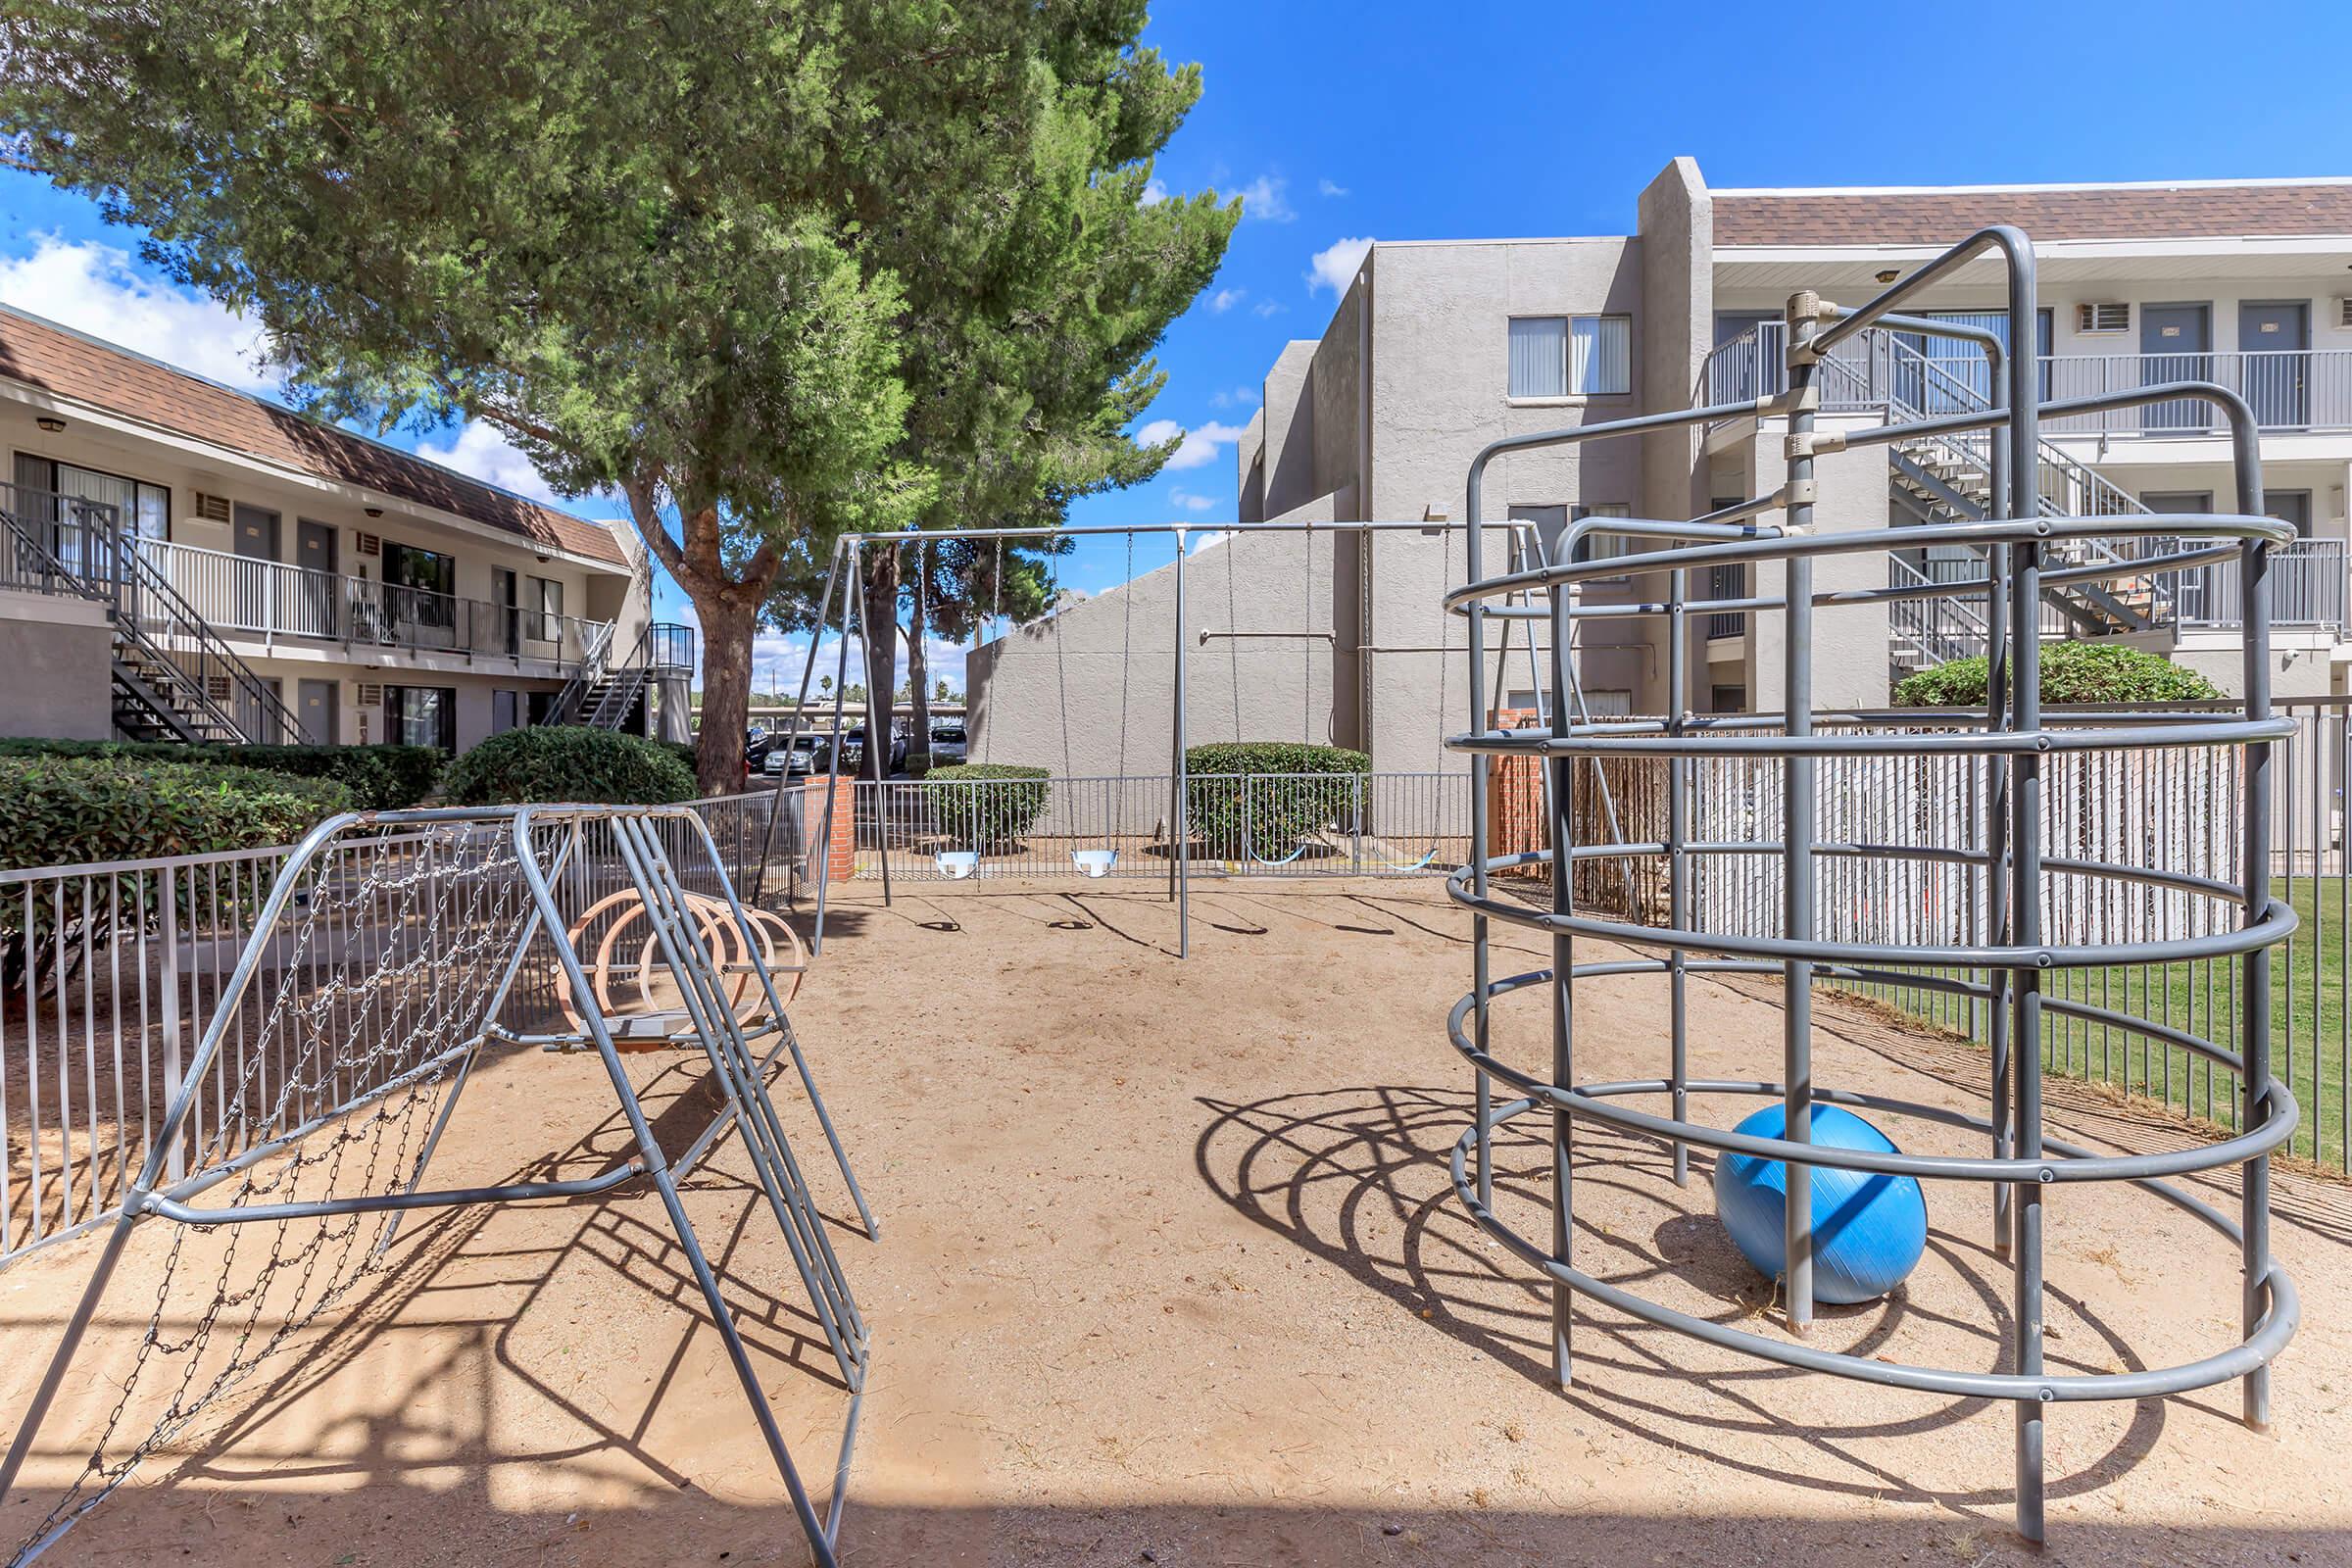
2113, 315
2343, 310
216, 688
371, 544
370, 695
213, 508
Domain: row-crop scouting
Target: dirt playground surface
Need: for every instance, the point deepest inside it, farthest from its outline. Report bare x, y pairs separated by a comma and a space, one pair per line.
1171, 1272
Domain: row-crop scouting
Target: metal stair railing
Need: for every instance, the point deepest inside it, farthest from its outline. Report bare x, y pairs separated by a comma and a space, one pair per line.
594, 656
104, 564
1939, 629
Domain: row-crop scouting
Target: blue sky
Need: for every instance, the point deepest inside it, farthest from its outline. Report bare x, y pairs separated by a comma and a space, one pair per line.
1375, 118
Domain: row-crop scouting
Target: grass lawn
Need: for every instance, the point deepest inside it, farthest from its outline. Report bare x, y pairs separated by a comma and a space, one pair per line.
2311, 1034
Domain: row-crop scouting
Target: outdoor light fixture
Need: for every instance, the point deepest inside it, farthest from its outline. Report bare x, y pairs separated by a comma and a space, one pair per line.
1889, 275
50, 422
376, 512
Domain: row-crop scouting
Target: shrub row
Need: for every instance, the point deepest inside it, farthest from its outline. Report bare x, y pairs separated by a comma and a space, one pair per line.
66, 810
379, 777
1008, 802
2071, 673
568, 763
1255, 815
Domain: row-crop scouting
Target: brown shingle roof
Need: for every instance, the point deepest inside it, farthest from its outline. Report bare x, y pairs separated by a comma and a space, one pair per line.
66, 365
2115, 211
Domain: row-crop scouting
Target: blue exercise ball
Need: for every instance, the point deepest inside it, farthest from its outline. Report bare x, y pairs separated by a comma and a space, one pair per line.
1868, 1228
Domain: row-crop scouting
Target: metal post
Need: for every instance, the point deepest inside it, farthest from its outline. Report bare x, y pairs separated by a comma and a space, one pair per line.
2025, 848
1179, 815
1563, 989
792, 732
1999, 504
825, 835
1481, 960
1798, 784
877, 750
1678, 860
2254, 1035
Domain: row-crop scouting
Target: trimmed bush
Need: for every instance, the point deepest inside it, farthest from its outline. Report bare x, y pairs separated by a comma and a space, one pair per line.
2071, 673
568, 763
918, 763
1286, 792
66, 810
981, 804
381, 778
72, 811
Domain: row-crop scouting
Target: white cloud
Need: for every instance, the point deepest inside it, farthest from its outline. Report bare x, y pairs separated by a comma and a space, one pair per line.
1225, 299
1200, 443
1267, 307
93, 287
1330, 187
1155, 191
1334, 267
482, 451
1191, 501
1240, 397
1266, 199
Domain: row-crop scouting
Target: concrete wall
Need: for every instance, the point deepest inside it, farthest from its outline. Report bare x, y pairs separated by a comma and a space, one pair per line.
55, 653
1071, 693
1849, 646
1677, 225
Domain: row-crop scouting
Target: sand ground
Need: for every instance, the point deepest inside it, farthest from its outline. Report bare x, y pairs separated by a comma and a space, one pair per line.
1171, 1272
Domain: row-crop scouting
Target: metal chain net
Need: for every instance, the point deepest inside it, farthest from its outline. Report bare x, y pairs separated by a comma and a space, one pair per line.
374, 980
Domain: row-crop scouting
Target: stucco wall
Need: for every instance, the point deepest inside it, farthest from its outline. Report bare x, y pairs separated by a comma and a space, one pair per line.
1049, 694
1849, 646
55, 653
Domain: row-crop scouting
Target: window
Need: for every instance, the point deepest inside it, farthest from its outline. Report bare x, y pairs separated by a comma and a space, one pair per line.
1606, 546
1727, 582
506, 711
145, 506
420, 583
421, 715
536, 706
1601, 703
1728, 699
2102, 316
546, 599
1571, 355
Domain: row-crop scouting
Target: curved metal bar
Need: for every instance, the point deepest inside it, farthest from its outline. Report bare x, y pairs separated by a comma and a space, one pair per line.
1846, 743
1784, 547
1592, 1099
2281, 1314
2279, 922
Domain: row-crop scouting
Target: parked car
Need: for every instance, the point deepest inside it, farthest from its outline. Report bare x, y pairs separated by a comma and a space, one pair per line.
803, 756
756, 743
949, 746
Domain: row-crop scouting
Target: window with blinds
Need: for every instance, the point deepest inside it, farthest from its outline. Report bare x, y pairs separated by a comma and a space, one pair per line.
1571, 355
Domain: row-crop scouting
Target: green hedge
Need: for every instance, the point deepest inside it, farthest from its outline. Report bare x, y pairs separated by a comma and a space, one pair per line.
71, 811
379, 777
2071, 673
567, 762
1006, 804
1234, 818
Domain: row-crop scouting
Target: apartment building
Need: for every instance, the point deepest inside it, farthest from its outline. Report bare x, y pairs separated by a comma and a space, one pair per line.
1438, 347
186, 562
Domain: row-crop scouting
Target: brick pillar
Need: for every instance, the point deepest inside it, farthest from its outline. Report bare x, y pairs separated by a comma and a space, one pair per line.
841, 861
1515, 822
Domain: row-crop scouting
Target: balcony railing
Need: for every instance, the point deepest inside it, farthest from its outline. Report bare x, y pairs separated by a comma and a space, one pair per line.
2288, 389
2307, 588
270, 600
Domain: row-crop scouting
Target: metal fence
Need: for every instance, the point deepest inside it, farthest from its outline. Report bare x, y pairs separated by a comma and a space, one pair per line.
2161, 808
1260, 824
111, 973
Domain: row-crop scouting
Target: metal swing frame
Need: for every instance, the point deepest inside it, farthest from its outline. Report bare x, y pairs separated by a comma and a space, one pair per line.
706, 1020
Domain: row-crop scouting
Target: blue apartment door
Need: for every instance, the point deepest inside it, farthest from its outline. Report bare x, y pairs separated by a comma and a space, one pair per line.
2176, 344
2274, 356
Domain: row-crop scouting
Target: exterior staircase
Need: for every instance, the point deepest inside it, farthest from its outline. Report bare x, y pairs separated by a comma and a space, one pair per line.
1949, 479
604, 695
171, 676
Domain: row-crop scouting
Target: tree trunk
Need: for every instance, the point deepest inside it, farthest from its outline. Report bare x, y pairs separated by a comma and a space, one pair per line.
727, 624
918, 662
878, 629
